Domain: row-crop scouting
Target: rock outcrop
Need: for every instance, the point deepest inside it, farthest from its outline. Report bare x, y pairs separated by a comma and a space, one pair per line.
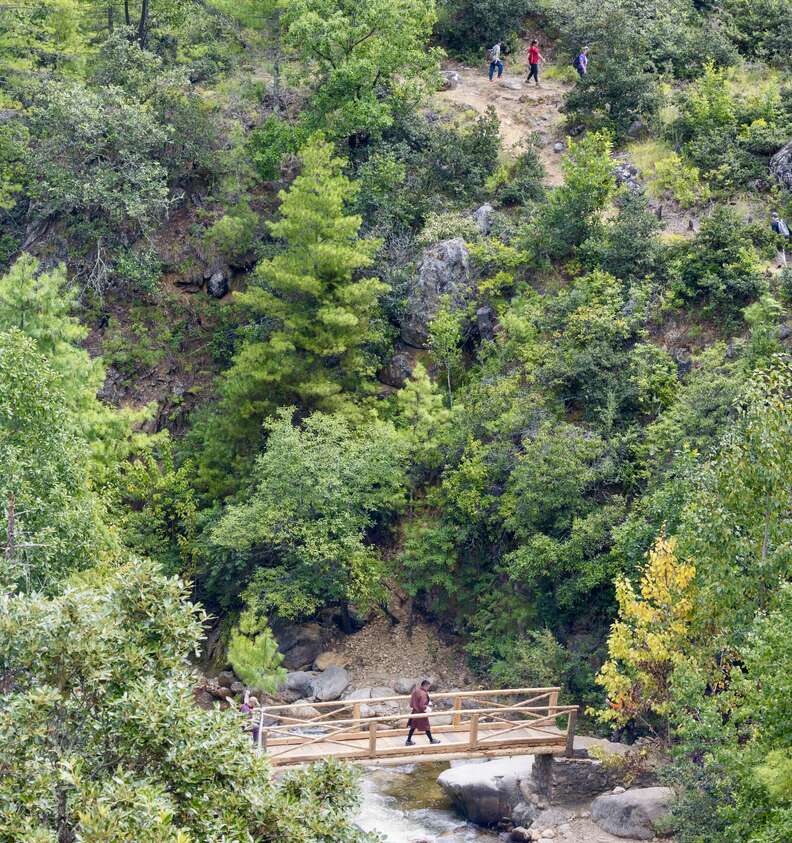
487, 793
300, 645
444, 270
330, 684
638, 813
781, 166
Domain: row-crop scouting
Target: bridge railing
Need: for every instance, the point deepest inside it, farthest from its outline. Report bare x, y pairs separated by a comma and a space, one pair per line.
474, 722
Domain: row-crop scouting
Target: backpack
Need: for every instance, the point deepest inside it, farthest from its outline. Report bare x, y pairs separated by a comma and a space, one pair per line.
576, 62
491, 54
783, 230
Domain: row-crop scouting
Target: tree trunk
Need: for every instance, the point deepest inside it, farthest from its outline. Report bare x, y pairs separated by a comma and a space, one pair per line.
450, 397
143, 24
127, 19
110, 19
276, 61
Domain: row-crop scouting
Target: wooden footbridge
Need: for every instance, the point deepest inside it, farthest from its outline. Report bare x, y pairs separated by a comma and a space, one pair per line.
469, 724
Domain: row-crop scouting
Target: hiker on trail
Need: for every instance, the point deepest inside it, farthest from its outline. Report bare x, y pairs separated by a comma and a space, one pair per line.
581, 62
534, 57
420, 704
495, 61
782, 230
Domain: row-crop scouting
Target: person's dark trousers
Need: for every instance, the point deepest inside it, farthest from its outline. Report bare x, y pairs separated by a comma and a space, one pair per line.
534, 74
493, 65
412, 732
581, 73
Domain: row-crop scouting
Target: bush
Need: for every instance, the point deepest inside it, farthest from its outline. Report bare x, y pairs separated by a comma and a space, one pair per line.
273, 140
466, 27
448, 225
615, 93
680, 180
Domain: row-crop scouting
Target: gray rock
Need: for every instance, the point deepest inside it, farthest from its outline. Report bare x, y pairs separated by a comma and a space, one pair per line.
524, 813
301, 710
520, 834
638, 129
449, 80
483, 218
510, 84
444, 270
638, 813
559, 146
405, 684
217, 285
226, 678
330, 684
328, 659
486, 793
237, 688
781, 166
300, 644
299, 682
485, 320
356, 695
397, 371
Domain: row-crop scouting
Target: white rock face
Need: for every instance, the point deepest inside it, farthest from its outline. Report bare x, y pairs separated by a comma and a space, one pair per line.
486, 793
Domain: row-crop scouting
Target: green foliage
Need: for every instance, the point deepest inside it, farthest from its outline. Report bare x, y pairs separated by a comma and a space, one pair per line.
615, 94
719, 267
271, 142
445, 337
571, 213
369, 60
104, 743
231, 236
317, 489
467, 27
253, 654
761, 28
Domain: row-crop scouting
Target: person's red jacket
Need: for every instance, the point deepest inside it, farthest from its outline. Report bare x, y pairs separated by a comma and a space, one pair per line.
534, 55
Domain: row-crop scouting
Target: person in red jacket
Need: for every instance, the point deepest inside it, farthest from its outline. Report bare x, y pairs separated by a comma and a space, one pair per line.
420, 704
534, 57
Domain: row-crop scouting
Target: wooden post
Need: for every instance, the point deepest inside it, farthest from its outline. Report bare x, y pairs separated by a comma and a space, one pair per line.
261, 731
457, 711
372, 740
356, 715
473, 741
552, 702
570, 737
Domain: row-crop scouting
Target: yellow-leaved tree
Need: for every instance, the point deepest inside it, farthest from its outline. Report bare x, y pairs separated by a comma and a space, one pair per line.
648, 640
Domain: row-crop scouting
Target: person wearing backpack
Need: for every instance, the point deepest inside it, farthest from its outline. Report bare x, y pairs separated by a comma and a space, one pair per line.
495, 61
534, 57
782, 230
581, 62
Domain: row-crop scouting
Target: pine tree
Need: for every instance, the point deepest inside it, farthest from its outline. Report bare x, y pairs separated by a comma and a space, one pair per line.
253, 653
321, 314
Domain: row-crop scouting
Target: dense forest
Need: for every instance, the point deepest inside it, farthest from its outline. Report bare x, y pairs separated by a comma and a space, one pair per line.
282, 333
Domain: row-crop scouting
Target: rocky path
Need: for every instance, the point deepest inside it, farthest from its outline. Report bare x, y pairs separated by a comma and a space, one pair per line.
523, 110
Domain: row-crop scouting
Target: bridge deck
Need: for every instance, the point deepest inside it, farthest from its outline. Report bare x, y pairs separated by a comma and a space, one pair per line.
481, 725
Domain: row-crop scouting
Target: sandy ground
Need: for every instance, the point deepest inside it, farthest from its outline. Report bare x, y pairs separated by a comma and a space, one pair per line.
522, 109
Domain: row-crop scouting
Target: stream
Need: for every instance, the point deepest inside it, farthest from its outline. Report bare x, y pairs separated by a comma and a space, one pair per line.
406, 805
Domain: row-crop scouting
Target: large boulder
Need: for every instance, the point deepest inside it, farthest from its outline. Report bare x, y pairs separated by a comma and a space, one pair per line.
217, 284
405, 684
639, 813
296, 685
300, 644
328, 659
301, 710
443, 270
781, 166
330, 684
398, 369
489, 792
483, 217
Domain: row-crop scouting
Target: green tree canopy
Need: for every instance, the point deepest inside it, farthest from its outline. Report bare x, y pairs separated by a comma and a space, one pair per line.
371, 58
317, 490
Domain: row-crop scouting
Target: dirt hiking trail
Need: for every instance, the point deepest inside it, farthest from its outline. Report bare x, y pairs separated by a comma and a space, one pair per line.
523, 110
